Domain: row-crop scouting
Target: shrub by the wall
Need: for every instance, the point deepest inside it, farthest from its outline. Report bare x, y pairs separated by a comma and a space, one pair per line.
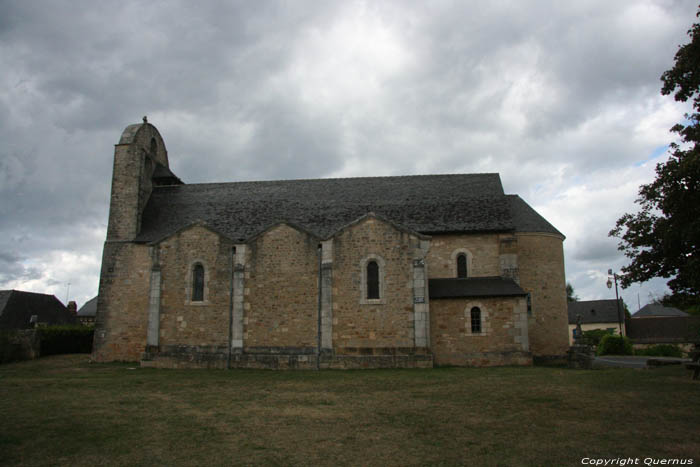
65, 339
660, 350
594, 336
613, 344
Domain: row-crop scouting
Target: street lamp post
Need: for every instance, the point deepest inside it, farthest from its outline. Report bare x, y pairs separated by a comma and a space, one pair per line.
613, 276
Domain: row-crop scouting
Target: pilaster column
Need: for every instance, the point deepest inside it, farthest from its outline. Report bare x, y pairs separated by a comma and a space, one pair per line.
327, 295
153, 330
239, 262
421, 307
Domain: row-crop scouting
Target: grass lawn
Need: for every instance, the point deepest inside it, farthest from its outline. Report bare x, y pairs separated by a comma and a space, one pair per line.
63, 410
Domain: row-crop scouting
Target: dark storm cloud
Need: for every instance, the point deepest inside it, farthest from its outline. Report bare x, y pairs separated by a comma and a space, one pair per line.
560, 98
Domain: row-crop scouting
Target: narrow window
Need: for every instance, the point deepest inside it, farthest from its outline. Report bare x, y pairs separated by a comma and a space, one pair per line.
198, 283
154, 147
476, 320
372, 280
462, 266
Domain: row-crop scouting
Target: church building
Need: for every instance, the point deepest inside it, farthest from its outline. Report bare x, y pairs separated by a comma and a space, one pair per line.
371, 272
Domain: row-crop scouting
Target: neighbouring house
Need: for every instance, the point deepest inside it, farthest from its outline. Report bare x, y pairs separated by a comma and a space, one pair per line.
679, 330
86, 313
596, 314
655, 310
405, 271
18, 307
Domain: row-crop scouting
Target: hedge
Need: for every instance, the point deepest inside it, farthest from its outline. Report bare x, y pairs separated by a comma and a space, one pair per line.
660, 350
613, 344
65, 339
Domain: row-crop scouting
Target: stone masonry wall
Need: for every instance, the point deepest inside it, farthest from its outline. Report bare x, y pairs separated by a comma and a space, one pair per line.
122, 303
483, 248
281, 296
373, 324
184, 322
541, 268
503, 340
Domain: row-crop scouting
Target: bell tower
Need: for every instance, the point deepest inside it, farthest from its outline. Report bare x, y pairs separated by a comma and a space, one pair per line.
140, 162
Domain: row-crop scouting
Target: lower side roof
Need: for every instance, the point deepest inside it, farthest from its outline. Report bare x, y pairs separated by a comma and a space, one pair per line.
472, 287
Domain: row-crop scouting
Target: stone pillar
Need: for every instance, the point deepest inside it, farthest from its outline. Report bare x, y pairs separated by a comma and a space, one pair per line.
238, 297
421, 317
153, 330
327, 295
520, 324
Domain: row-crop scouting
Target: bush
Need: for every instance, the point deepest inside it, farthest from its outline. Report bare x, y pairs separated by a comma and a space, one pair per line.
612, 344
660, 350
594, 336
65, 339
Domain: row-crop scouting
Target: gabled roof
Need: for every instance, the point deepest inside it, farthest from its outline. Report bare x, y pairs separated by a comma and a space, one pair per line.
472, 287
89, 308
653, 309
595, 311
17, 308
423, 203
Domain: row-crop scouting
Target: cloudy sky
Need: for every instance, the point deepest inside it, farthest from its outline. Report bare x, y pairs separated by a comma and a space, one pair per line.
561, 98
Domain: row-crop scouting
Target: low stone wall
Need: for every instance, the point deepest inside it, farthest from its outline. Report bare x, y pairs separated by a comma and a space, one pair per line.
18, 345
482, 359
285, 358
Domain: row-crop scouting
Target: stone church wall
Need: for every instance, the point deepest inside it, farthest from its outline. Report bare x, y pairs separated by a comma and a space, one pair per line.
184, 322
122, 303
541, 264
503, 340
484, 250
281, 295
358, 324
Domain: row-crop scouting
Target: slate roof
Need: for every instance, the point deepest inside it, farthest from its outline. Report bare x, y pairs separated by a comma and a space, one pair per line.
17, 307
163, 176
652, 310
526, 219
474, 287
428, 204
595, 311
89, 308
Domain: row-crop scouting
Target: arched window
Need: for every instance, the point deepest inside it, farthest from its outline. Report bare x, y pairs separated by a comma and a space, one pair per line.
198, 283
372, 280
476, 320
461, 265
154, 147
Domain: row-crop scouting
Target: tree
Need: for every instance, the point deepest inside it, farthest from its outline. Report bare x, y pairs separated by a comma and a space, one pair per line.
570, 297
662, 239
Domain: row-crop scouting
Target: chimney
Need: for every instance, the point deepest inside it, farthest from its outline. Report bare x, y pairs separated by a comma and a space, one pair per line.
72, 307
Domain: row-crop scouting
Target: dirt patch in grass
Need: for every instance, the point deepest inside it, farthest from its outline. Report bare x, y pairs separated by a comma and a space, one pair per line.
64, 411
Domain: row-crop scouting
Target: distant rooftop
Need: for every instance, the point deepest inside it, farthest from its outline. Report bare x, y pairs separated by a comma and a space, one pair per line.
653, 310
595, 311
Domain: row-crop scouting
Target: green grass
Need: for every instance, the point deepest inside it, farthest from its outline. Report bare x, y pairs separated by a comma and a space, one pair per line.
63, 410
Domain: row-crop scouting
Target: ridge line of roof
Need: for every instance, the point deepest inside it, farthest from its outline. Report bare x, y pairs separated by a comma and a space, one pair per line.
345, 178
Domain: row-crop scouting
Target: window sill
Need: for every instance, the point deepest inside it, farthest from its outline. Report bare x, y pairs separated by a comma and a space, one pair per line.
373, 301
